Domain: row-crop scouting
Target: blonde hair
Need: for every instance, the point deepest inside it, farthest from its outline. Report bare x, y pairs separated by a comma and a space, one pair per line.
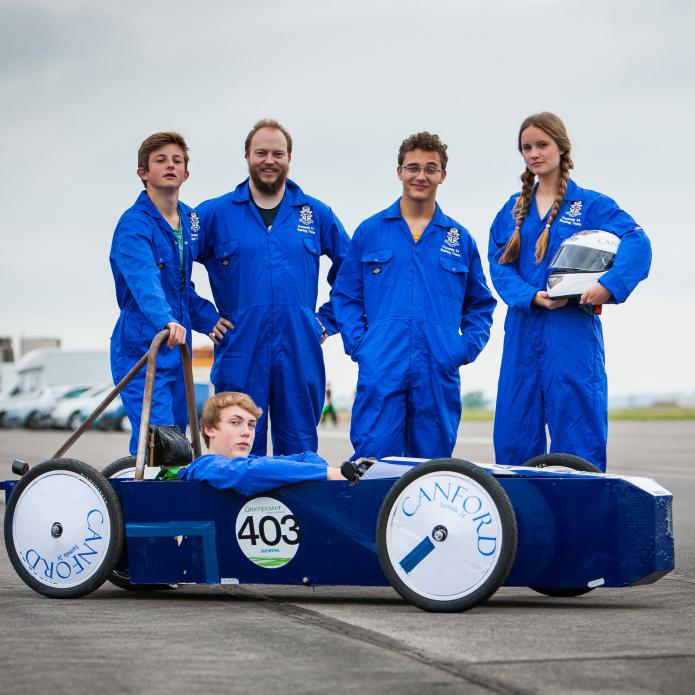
213, 407
552, 126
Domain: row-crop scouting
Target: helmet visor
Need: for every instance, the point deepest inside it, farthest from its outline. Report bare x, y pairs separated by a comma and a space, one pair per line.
572, 257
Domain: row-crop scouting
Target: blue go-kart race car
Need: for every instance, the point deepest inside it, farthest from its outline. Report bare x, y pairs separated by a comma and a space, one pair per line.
445, 533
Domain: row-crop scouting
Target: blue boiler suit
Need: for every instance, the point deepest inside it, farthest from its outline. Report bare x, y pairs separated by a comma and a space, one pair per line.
254, 474
150, 291
410, 315
266, 283
553, 366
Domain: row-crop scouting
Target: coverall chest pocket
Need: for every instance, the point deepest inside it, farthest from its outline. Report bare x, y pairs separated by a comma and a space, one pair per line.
169, 265
453, 277
377, 269
226, 261
312, 258
163, 255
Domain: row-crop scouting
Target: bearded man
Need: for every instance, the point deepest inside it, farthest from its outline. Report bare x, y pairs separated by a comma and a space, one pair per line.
261, 245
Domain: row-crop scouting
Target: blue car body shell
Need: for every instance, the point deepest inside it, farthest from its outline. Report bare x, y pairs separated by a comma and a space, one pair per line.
574, 529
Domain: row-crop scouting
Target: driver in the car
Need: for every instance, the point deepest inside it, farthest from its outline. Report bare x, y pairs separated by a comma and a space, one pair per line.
228, 424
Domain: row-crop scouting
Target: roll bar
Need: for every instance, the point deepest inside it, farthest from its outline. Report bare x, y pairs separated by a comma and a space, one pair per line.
149, 358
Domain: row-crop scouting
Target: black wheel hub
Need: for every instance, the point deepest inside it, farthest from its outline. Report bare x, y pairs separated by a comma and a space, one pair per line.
439, 533
57, 530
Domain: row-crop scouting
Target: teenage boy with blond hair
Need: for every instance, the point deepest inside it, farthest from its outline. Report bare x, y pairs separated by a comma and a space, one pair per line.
151, 256
229, 428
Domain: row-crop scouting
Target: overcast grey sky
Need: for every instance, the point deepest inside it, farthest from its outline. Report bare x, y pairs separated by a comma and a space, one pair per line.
83, 82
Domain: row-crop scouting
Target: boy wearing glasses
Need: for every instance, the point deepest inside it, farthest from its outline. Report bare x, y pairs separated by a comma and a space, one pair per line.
413, 306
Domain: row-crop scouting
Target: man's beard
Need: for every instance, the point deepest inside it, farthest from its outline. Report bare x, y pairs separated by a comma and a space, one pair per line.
268, 187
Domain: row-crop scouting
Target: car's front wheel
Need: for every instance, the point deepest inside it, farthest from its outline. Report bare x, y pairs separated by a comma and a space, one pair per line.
446, 535
63, 528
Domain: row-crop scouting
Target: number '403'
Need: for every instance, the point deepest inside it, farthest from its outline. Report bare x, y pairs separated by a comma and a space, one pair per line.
270, 531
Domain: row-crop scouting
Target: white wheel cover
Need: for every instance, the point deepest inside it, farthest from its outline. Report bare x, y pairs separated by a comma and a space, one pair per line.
150, 473
457, 566
75, 503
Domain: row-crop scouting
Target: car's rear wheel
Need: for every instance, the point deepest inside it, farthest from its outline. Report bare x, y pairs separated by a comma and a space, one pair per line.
125, 468
446, 535
575, 463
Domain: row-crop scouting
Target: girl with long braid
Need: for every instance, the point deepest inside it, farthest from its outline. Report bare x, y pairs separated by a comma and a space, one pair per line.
553, 368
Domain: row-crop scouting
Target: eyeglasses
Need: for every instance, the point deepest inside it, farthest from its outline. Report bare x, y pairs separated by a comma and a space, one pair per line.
429, 169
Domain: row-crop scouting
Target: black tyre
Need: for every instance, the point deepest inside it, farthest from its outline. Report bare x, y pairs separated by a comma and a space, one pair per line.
33, 421
74, 421
118, 466
63, 528
575, 463
446, 535
120, 577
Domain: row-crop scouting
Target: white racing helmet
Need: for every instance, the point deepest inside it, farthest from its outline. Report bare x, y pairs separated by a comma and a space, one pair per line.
580, 261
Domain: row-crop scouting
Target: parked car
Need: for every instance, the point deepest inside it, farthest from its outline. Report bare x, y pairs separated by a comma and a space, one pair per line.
33, 409
67, 413
6, 401
115, 418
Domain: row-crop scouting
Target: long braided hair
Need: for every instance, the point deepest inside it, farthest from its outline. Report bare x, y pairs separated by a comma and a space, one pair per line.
553, 126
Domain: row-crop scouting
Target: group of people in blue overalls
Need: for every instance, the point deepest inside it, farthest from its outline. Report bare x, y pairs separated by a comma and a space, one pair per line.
409, 297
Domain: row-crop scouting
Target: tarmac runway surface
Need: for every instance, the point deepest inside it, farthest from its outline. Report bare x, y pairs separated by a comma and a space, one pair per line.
259, 639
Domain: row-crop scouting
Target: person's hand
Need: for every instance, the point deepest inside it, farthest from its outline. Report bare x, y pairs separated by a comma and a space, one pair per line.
595, 294
324, 335
334, 474
542, 299
219, 329
177, 334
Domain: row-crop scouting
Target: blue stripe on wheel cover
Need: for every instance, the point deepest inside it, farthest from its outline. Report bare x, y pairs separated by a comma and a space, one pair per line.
417, 555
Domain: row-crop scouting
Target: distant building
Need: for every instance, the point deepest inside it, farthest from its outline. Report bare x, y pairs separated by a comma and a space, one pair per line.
6, 351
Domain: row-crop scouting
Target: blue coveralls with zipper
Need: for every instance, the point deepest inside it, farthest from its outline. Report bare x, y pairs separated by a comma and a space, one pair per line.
154, 288
266, 283
553, 364
411, 314
253, 474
